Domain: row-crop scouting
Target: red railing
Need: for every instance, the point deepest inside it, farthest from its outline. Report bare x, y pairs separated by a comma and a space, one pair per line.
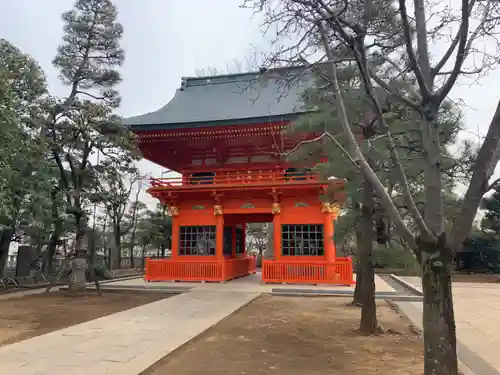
235, 178
173, 270
338, 273
239, 267
198, 270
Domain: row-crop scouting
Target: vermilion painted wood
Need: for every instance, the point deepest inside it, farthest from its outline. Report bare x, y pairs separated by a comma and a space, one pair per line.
338, 273
246, 190
199, 269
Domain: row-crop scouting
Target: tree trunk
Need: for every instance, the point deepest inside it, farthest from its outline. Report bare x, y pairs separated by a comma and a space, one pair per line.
118, 245
115, 250
357, 299
77, 280
368, 324
132, 246
440, 342
51, 249
55, 235
92, 250
5, 240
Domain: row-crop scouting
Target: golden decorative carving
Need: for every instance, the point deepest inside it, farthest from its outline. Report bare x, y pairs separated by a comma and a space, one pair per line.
217, 210
276, 208
173, 211
332, 208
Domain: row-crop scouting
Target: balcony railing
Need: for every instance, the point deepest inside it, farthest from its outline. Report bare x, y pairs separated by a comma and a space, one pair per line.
236, 178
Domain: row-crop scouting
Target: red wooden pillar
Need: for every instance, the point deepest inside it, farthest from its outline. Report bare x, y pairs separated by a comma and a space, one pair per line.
331, 211
328, 238
175, 236
219, 236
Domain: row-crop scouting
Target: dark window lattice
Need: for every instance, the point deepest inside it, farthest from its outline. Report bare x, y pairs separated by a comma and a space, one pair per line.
302, 240
228, 241
240, 244
197, 240
202, 178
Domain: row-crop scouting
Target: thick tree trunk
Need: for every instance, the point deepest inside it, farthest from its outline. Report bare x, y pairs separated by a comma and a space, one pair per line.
357, 299
368, 324
116, 249
55, 235
77, 280
92, 250
51, 249
440, 342
5, 239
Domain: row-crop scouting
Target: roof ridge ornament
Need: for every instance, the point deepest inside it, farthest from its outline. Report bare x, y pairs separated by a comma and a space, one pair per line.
183, 83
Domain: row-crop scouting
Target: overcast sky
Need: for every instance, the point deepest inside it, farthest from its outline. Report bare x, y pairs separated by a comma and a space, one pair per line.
165, 40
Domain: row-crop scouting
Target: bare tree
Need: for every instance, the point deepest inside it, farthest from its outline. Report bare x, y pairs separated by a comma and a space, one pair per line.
329, 32
248, 64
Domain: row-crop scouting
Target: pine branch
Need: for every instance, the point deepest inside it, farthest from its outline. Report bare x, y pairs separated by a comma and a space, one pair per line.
357, 155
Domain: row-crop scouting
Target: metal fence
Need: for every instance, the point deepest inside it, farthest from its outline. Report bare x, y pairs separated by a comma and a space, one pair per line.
127, 263
11, 263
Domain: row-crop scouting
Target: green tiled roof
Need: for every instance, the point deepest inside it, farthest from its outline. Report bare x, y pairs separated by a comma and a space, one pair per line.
230, 99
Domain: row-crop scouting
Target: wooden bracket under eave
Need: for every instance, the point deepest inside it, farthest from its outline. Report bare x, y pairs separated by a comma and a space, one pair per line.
216, 195
276, 195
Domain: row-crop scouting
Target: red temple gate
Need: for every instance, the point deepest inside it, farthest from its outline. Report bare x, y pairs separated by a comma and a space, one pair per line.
227, 148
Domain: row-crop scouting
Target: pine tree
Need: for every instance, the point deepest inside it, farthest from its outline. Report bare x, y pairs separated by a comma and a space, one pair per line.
83, 124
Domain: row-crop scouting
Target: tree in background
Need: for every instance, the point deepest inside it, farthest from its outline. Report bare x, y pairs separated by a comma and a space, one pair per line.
25, 174
258, 238
154, 230
115, 193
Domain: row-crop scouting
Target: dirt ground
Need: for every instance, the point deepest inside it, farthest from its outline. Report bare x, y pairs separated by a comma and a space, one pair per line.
475, 278
298, 336
33, 315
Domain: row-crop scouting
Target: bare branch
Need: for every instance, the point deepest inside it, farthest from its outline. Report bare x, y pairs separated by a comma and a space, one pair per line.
425, 91
461, 52
357, 155
451, 48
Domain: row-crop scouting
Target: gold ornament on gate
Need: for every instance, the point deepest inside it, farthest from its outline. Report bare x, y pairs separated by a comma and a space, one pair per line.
217, 210
173, 211
276, 208
332, 208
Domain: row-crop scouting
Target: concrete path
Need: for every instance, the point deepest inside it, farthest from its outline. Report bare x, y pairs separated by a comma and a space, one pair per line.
251, 283
477, 315
124, 343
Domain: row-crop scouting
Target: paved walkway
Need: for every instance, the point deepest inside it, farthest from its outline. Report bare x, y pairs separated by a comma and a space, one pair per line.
251, 283
477, 315
130, 341
124, 343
